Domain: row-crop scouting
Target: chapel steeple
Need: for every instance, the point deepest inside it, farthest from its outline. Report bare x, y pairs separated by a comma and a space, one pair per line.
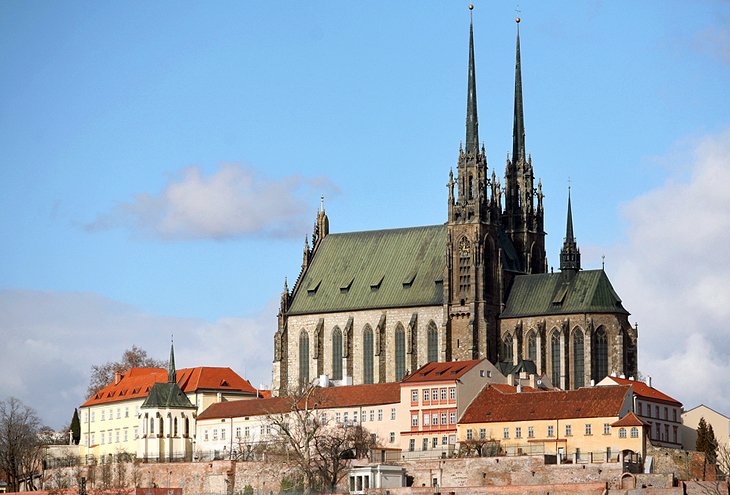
569, 254
171, 372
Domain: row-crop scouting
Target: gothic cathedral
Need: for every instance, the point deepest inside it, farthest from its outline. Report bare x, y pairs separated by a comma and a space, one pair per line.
369, 307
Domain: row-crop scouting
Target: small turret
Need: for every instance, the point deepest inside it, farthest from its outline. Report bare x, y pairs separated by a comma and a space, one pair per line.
570, 254
171, 372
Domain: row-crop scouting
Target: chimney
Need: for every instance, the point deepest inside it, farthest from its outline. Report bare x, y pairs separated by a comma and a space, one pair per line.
519, 388
117, 377
219, 397
648, 381
622, 375
510, 379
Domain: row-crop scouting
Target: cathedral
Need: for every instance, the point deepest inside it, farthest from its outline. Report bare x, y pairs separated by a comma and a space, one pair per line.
370, 307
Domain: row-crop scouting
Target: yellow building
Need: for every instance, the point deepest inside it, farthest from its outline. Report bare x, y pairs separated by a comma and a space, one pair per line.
691, 420
592, 424
111, 421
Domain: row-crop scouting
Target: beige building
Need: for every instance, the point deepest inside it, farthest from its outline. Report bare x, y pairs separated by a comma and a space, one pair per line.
433, 399
112, 420
594, 424
238, 429
691, 420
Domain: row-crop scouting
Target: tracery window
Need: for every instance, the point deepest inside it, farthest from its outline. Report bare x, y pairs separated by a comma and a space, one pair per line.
304, 358
433, 341
464, 265
532, 347
507, 348
367, 354
337, 354
601, 354
400, 352
578, 359
555, 354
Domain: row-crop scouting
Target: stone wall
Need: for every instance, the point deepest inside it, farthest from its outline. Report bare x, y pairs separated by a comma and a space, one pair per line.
683, 464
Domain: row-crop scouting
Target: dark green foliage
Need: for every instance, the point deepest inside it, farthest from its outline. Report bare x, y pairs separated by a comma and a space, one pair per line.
75, 428
706, 441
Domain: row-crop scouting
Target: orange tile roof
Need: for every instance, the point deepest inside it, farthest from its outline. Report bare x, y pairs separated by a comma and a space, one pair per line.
629, 419
502, 403
136, 383
321, 398
645, 391
439, 371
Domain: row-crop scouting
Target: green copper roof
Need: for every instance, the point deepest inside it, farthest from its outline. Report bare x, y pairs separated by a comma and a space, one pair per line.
587, 291
374, 269
167, 396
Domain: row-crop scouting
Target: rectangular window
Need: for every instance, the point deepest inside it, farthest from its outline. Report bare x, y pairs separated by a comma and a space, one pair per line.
345, 417
116, 436
589, 429
434, 442
551, 431
261, 430
568, 430
530, 432
338, 417
102, 437
444, 440
666, 413
412, 444
622, 432
482, 433
126, 412
392, 437
656, 411
365, 417
92, 439
443, 418
414, 396
103, 414
238, 432
518, 432
414, 419
119, 412
434, 394
110, 436
443, 394
354, 417
606, 429
505, 433
223, 433
380, 415
126, 434
215, 434
92, 418
635, 432
435, 419
246, 431
424, 444
372, 414
426, 419
675, 415
452, 393
392, 413
427, 395
136, 432
452, 418
205, 435
469, 434
452, 439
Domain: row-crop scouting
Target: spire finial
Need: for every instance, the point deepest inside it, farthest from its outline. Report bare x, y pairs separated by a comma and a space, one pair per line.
171, 365
472, 123
518, 131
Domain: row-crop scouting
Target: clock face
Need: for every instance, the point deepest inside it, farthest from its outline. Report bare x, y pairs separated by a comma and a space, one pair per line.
463, 246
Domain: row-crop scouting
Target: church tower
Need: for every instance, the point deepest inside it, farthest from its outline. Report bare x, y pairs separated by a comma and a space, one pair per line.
569, 254
471, 285
522, 218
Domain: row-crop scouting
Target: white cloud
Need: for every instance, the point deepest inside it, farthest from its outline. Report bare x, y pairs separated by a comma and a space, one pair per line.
230, 203
672, 271
51, 340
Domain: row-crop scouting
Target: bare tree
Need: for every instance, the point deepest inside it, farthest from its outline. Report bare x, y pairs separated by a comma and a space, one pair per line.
20, 444
103, 374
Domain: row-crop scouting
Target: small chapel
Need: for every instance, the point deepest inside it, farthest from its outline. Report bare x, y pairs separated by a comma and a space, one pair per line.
370, 307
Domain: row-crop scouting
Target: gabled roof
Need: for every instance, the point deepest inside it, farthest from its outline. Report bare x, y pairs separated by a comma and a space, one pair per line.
587, 291
374, 269
437, 372
320, 398
629, 419
502, 403
136, 383
167, 396
643, 390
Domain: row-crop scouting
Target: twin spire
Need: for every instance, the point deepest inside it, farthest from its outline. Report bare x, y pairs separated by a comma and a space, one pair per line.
472, 122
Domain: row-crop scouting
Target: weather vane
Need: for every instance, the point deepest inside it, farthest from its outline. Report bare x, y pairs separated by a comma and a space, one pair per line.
518, 12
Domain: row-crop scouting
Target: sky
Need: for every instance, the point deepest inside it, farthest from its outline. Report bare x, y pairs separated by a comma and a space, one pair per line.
162, 162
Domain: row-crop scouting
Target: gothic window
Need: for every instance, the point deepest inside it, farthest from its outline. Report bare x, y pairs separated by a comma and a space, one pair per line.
471, 187
464, 265
578, 359
532, 347
507, 348
337, 354
367, 354
555, 354
433, 342
601, 354
304, 358
400, 352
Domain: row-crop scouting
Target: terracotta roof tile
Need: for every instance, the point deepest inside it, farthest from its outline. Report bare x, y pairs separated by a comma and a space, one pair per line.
136, 383
500, 403
436, 371
321, 398
644, 390
629, 419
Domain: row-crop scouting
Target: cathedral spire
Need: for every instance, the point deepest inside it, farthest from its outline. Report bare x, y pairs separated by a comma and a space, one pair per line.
472, 123
518, 132
171, 365
570, 254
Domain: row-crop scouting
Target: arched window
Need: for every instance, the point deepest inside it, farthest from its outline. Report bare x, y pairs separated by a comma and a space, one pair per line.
152, 426
187, 427
400, 352
174, 427
507, 348
367, 355
304, 358
433, 342
532, 347
578, 359
337, 354
464, 265
601, 354
555, 354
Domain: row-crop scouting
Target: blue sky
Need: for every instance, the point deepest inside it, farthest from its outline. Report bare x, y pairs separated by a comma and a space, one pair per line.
162, 163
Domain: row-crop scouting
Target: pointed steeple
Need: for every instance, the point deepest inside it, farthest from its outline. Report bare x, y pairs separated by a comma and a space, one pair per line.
518, 132
171, 365
472, 123
570, 254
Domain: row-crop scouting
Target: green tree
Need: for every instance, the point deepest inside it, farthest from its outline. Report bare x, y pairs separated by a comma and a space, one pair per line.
75, 428
20, 444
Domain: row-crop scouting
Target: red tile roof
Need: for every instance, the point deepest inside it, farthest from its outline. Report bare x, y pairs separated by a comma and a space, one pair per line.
629, 419
136, 383
501, 403
645, 391
436, 372
321, 398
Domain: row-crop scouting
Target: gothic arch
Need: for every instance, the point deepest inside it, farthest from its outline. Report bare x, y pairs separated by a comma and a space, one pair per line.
600, 353
400, 352
555, 356
432, 337
578, 342
336, 353
537, 264
531, 346
490, 268
303, 357
507, 348
367, 354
